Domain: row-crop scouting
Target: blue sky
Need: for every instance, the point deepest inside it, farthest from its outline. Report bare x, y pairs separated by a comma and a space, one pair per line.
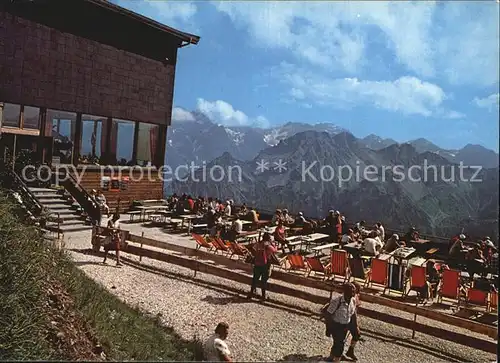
401, 70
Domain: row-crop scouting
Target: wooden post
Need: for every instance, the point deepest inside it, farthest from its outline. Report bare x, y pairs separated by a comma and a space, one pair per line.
77, 143
140, 255
136, 141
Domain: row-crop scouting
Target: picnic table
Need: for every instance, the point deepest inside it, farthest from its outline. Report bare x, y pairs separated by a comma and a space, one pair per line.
189, 218
150, 209
329, 246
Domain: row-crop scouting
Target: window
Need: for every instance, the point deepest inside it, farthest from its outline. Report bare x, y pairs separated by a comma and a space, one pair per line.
31, 117
61, 126
10, 115
93, 142
122, 142
147, 147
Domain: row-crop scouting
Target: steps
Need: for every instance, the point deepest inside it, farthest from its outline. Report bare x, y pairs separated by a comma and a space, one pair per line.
55, 201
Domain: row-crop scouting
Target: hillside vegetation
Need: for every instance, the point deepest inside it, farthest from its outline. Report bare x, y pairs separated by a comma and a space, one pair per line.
51, 310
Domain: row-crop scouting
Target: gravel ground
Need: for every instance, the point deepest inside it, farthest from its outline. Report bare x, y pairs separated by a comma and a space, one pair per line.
269, 331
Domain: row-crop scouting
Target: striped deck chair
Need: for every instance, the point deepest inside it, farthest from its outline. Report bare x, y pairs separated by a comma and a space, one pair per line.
339, 264
237, 250
220, 245
450, 286
316, 266
378, 274
418, 280
493, 301
477, 297
296, 262
201, 242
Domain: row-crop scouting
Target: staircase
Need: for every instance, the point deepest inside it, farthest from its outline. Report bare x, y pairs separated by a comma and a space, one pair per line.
58, 202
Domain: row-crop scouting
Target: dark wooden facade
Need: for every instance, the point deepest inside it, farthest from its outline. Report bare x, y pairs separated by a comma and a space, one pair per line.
88, 57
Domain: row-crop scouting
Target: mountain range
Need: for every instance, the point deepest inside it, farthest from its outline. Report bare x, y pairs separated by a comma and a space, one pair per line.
441, 203
437, 206
202, 140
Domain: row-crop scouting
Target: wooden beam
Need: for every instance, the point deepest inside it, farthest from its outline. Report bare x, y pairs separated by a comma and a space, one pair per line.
136, 140
77, 143
287, 277
199, 266
19, 131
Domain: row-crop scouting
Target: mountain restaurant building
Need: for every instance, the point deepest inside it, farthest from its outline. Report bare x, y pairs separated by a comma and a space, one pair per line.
87, 83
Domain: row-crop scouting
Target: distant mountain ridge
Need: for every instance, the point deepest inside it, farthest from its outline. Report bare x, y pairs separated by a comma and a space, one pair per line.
202, 139
436, 205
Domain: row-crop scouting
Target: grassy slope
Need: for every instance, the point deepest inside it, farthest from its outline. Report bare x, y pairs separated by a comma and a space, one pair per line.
41, 288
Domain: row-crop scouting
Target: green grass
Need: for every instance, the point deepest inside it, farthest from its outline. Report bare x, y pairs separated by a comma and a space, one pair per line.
28, 266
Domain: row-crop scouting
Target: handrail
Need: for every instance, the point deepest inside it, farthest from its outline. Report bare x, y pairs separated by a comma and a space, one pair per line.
81, 196
24, 190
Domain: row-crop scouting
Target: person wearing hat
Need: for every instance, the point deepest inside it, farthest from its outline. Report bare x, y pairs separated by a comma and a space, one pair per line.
300, 221
263, 250
287, 218
458, 250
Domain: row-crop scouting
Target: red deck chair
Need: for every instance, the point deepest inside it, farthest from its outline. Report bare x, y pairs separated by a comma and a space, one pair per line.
477, 297
296, 262
237, 249
450, 286
316, 266
201, 242
378, 273
339, 264
220, 245
493, 301
418, 280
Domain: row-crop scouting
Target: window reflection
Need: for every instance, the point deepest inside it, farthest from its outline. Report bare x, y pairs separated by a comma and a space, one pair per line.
10, 115
31, 117
93, 143
61, 126
147, 144
122, 142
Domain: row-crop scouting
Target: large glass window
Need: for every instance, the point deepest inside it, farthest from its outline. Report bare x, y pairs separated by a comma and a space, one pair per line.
122, 142
10, 115
61, 126
31, 117
93, 139
147, 147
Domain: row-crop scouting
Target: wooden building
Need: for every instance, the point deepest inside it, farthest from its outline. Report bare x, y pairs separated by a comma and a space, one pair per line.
87, 83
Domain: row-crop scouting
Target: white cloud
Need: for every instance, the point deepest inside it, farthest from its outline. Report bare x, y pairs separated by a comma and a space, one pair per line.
408, 95
491, 102
458, 40
223, 113
172, 13
180, 114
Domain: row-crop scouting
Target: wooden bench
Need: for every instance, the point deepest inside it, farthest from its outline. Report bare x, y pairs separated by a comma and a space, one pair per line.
134, 213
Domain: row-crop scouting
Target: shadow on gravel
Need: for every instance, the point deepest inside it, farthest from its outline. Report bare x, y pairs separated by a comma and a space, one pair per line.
411, 344
303, 358
225, 300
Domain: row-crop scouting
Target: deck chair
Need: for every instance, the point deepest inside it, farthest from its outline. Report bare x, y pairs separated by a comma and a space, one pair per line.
296, 262
316, 266
201, 242
237, 249
418, 280
477, 297
378, 274
220, 245
357, 268
339, 265
493, 301
450, 286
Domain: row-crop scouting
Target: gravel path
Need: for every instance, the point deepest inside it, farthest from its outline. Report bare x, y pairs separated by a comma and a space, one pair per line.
267, 331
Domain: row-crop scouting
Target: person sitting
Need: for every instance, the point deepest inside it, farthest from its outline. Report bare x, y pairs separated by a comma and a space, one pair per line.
254, 217
476, 261
412, 235
227, 209
458, 249
236, 229
433, 279
360, 227
347, 238
372, 245
331, 222
287, 218
215, 348
455, 239
243, 210
300, 221
393, 244
380, 228
280, 236
276, 217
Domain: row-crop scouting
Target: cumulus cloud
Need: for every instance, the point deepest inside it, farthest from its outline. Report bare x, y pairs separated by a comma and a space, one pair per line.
408, 95
180, 114
490, 103
223, 113
453, 39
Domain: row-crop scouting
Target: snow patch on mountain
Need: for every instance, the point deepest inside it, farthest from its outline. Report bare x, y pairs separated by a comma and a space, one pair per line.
236, 136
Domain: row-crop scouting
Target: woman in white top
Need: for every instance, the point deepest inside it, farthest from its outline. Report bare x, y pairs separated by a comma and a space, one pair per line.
215, 348
114, 224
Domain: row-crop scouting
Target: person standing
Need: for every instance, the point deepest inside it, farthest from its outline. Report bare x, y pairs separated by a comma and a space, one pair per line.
338, 314
114, 225
262, 264
215, 348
